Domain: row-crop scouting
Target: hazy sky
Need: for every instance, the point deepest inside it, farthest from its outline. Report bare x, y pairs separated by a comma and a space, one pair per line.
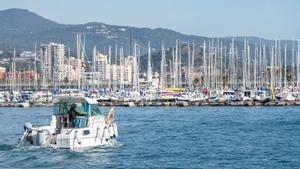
272, 18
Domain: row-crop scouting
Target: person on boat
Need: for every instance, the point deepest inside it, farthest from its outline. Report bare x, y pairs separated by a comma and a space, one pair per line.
72, 114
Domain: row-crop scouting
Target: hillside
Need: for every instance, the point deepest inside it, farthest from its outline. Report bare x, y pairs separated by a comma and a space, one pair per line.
21, 29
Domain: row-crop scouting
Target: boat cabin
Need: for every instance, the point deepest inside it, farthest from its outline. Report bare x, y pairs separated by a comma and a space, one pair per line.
229, 94
247, 93
261, 95
86, 107
72, 92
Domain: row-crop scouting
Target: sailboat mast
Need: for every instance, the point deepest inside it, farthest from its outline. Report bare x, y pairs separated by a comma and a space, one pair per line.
255, 69
69, 67
209, 65
14, 71
193, 65
260, 64
204, 64
136, 72
298, 65
108, 76
173, 67
149, 70
285, 75
79, 60
162, 67
176, 66
248, 80
188, 77
221, 66
94, 75
121, 68
179, 66
35, 68
115, 84
138, 68
244, 64
293, 65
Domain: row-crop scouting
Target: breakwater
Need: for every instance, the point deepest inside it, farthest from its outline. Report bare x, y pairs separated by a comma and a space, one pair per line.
170, 104
199, 103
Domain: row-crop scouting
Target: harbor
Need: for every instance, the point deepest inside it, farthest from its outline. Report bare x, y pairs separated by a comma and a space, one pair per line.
213, 73
149, 84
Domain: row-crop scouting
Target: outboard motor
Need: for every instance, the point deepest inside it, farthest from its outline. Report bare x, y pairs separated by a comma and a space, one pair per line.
28, 127
27, 133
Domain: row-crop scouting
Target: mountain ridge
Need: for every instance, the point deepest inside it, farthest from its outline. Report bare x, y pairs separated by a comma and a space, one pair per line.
21, 29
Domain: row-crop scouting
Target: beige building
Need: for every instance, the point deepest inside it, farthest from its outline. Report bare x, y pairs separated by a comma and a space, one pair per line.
2, 72
104, 72
71, 73
130, 70
114, 72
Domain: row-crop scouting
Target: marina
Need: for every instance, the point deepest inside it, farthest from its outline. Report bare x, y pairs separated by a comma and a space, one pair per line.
225, 73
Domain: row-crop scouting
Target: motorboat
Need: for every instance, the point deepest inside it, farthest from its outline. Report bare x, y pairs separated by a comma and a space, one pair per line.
247, 95
90, 128
198, 97
290, 96
262, 96
72, 92
2, 98
42, 97
229, 95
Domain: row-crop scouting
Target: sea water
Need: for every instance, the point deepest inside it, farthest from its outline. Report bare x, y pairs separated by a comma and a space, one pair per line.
168, 137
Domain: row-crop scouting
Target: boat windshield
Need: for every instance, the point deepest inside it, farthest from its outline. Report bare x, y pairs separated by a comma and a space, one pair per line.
95, 110
63, 108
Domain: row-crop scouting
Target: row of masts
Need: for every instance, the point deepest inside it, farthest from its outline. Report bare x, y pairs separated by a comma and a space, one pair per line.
254, 68
220, 67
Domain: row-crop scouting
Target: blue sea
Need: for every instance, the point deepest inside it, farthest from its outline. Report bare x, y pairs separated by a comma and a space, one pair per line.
168, 137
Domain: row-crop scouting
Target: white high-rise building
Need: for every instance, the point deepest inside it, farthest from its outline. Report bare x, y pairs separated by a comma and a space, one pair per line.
101, 66
52, 62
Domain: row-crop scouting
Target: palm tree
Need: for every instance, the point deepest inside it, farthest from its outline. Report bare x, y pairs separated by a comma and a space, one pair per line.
196, 82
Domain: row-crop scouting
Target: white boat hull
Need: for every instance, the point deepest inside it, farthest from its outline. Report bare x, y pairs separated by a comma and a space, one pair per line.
97, 133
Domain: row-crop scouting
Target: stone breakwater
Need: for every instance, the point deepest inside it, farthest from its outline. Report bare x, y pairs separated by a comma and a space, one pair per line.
199, 103
172, 103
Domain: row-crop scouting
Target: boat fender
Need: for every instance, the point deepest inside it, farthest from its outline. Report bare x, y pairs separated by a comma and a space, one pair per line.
28, 127
76, 137
99, 134
115, 128
111, 131
106, 134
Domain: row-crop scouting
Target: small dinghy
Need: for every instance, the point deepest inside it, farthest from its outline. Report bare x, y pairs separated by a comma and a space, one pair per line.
89, 127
